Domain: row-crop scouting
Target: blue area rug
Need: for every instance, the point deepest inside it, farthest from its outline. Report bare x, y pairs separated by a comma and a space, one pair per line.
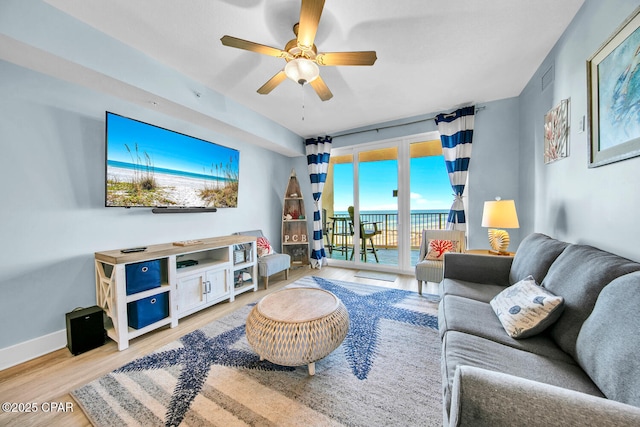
386, 372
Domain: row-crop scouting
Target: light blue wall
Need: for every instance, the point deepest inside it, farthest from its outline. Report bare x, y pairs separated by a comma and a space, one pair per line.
493, 170
566, 199
53, 217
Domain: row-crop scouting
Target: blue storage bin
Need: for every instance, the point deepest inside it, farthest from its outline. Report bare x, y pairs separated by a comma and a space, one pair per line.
148, 310
143, 276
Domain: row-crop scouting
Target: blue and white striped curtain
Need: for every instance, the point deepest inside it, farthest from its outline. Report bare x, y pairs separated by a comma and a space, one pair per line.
456, 135
318, 152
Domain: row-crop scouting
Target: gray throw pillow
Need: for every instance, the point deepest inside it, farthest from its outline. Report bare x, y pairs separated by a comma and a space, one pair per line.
526, 309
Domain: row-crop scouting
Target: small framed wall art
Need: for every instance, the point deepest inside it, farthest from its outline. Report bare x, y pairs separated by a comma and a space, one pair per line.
613, 78
556, 132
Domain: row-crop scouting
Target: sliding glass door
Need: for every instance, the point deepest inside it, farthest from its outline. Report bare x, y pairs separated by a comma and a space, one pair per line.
376, 217
431, 194
336, 199
395, 189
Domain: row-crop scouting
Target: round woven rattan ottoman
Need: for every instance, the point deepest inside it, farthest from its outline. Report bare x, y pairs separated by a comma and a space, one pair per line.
297, 326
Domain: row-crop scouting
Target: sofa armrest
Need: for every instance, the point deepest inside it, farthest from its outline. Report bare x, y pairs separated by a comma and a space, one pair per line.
485, 398
477, 268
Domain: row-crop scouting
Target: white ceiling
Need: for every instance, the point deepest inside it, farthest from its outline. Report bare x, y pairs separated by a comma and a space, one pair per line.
433, 55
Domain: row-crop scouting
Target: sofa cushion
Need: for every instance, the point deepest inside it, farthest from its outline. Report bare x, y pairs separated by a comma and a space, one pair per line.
534, 256
477, 318
478, 268
272, 264
477, 291
429, 270
463, 349
526, 309
608, 346
578, 275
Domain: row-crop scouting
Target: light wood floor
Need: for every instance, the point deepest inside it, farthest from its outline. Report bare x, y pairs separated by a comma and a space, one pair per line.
52, 377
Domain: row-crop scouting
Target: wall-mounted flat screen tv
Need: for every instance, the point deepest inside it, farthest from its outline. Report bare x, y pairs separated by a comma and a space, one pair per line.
149, 166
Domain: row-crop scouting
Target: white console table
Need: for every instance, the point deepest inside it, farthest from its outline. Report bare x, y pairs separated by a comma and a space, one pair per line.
189, 289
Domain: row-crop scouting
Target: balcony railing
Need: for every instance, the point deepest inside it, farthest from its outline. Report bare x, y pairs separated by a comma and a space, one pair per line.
387, 224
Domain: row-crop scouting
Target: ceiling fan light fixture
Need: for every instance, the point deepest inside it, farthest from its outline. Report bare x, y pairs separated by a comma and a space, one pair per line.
302, 70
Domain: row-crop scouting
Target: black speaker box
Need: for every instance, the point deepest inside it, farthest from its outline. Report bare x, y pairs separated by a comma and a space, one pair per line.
85, 329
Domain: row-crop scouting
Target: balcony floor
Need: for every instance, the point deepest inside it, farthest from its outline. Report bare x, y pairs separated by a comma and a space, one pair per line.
386, 256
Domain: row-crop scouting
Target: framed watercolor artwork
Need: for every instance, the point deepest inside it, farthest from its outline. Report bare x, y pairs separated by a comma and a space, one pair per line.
556, 132
613, 78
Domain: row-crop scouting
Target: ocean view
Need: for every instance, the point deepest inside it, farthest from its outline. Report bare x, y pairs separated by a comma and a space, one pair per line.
392, 212
164, 171
387, 224
390, 217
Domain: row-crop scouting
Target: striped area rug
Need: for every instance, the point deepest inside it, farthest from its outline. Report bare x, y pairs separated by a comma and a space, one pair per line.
386, 372
376, 275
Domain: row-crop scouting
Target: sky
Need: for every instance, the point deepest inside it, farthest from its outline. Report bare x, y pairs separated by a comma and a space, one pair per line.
429, 181
167, 149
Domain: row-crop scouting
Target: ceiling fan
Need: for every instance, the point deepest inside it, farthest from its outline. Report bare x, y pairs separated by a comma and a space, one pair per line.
302, 55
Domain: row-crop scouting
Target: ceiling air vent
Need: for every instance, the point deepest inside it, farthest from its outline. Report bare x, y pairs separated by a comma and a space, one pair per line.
547, 78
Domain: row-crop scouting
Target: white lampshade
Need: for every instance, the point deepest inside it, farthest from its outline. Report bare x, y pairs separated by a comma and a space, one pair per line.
302, 70
500, 214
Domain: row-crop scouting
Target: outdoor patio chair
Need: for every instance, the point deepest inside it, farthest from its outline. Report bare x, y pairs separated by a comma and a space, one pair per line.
367, 231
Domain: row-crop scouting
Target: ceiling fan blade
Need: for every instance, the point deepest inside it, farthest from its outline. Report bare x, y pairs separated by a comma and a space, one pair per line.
346, 58
310, 12
272, 83
253, 47
321, 89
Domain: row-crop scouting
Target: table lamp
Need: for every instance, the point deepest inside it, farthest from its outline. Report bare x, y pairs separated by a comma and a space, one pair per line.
497, 215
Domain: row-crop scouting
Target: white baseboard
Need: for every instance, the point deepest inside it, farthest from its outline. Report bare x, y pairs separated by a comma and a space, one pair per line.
24, 351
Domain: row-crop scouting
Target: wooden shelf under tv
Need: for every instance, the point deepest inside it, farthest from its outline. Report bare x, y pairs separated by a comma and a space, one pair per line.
214, 255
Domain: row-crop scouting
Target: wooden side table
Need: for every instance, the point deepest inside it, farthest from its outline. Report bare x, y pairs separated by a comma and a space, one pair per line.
297, 326
487, 252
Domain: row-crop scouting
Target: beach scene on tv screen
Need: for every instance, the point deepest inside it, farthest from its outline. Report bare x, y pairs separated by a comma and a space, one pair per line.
154, 167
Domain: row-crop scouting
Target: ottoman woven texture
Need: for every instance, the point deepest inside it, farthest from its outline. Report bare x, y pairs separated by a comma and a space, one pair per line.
297, 326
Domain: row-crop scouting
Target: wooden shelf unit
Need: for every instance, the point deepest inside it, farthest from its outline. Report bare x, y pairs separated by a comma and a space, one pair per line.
189, 289
295, 240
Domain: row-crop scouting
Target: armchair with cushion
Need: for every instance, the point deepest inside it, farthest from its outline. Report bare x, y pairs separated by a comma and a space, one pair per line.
435, 243
269, 261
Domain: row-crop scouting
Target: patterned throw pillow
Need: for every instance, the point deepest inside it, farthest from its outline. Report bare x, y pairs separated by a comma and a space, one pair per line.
437, 248
264, 247
526, 309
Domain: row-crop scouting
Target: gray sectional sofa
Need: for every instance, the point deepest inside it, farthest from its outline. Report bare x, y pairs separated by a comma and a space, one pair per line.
583, 370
